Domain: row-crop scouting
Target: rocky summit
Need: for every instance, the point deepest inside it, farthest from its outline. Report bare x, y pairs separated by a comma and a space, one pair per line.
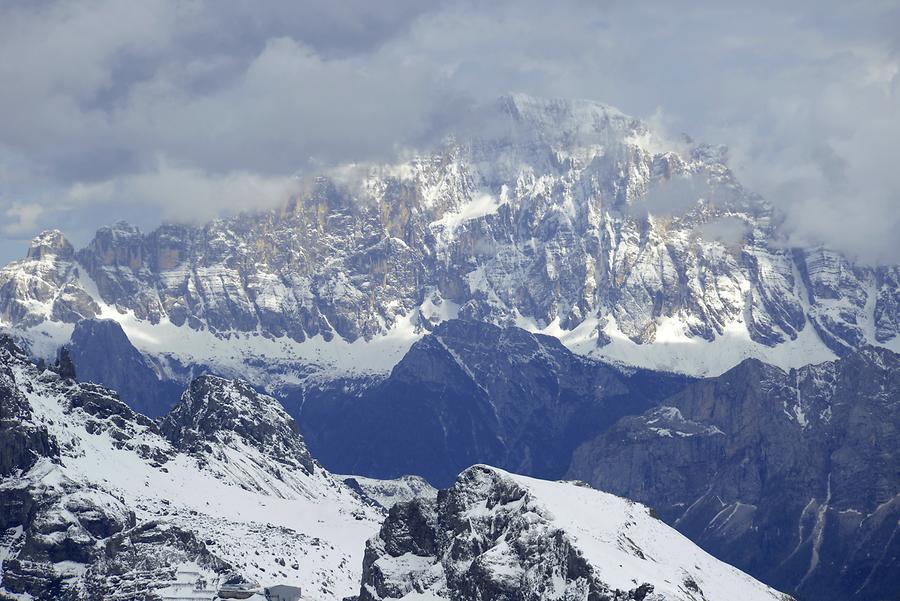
214, 410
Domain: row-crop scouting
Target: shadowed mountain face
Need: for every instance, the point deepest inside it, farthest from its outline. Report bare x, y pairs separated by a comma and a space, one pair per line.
791, 476
103, 354
471, 392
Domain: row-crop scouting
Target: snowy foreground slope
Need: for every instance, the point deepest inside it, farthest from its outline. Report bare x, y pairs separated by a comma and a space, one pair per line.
495, 535
98, 504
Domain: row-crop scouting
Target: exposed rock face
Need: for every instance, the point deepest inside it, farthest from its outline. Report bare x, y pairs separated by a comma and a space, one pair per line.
45, 285
103, 354
562, 213
213, 410
22, 441
496, 536
388, 493
471, 392
840, 299
791, 476
71, 527
96, 504
53, 527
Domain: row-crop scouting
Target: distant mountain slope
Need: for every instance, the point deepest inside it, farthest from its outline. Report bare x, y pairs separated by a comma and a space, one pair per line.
103, 354
790, 476
472, 392
560, 216
495, 535
95, 503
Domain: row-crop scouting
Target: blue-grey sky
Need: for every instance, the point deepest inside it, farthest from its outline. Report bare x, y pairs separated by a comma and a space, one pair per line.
153, 110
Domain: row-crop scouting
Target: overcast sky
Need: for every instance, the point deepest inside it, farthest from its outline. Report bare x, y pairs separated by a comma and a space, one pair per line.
171, 110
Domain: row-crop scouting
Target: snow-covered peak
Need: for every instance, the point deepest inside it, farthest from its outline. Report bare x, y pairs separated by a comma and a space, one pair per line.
50, 243
568, 119
561, 216
495, 535
215, 409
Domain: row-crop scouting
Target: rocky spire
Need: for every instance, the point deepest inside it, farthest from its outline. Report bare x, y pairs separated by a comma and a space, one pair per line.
50, 243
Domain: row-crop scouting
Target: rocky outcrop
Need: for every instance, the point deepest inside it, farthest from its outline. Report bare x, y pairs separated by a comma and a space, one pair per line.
493, 535
80, 543
790, 476
71, 527
472, 392
215, 410
22, 441
96, 504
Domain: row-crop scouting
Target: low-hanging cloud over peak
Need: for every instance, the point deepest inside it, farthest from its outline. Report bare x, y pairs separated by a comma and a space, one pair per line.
157, 110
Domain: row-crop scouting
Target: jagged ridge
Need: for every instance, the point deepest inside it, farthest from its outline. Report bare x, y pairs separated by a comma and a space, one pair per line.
95, 503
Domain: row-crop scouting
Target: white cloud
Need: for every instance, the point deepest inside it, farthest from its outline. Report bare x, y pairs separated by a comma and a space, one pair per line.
20, 219
189, 194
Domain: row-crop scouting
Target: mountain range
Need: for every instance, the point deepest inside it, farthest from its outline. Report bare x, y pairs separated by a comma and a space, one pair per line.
565, 295
564, 217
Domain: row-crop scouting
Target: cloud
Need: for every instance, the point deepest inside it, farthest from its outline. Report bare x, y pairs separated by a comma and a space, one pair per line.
186, 194
20, 219
118, 109
673, 197
728, 230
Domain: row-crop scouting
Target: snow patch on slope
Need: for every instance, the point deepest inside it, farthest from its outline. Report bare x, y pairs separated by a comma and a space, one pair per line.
674, 351
481, 205
625, 544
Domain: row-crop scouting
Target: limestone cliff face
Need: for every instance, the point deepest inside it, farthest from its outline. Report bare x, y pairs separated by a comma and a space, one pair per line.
564, 212
791, 476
